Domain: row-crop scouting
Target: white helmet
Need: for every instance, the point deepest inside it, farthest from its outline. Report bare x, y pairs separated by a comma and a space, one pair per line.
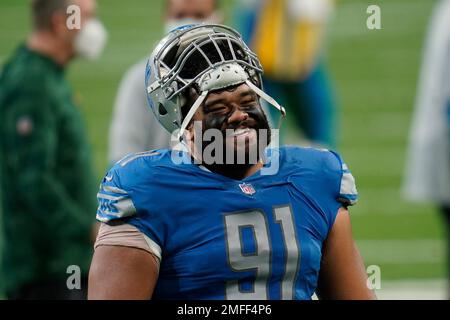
204, 56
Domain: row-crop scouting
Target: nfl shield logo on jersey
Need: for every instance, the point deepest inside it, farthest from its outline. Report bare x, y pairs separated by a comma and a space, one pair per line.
247, 188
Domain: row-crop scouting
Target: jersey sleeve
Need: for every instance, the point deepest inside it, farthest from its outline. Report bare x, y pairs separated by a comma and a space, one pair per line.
119, 202
348, 195
114, 202
338, 186
338, 181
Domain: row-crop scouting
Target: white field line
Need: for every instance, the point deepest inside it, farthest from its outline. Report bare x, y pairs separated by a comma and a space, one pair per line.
437, 289
401, 251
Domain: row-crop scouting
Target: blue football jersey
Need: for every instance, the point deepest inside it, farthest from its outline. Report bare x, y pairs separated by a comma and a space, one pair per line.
220, 238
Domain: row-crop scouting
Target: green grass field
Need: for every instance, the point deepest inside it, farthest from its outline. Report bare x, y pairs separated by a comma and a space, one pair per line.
375, 74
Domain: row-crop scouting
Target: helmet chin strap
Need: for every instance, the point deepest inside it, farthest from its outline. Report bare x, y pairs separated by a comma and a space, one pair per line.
191, 113
269, 100
266, 97
222, 77
202, 98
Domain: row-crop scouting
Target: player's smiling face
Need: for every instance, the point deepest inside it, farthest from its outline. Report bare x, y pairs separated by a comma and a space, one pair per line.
237, 113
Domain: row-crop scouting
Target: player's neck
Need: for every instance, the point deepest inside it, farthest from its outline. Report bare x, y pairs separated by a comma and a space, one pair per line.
235, 171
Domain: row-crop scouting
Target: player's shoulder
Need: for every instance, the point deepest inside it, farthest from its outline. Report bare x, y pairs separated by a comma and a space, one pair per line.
321, 169
313, 158
135, 165
118, 190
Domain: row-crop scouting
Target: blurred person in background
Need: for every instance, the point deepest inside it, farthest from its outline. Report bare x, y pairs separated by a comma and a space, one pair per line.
427, 174
133, 128
295, 73
47, 185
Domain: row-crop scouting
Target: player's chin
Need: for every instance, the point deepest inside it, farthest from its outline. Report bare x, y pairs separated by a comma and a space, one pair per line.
244, 147
244, 140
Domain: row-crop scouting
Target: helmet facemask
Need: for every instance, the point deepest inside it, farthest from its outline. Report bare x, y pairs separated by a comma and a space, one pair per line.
206, 58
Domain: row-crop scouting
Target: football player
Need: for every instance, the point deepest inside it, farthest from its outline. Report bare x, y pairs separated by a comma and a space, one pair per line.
133, 128
193, 229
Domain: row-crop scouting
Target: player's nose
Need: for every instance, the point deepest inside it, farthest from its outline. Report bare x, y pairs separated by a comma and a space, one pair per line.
238, 116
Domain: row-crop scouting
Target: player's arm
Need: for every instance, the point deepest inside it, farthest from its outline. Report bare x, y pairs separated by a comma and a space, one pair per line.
125, 263
119, 272
342, 273
128, 250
